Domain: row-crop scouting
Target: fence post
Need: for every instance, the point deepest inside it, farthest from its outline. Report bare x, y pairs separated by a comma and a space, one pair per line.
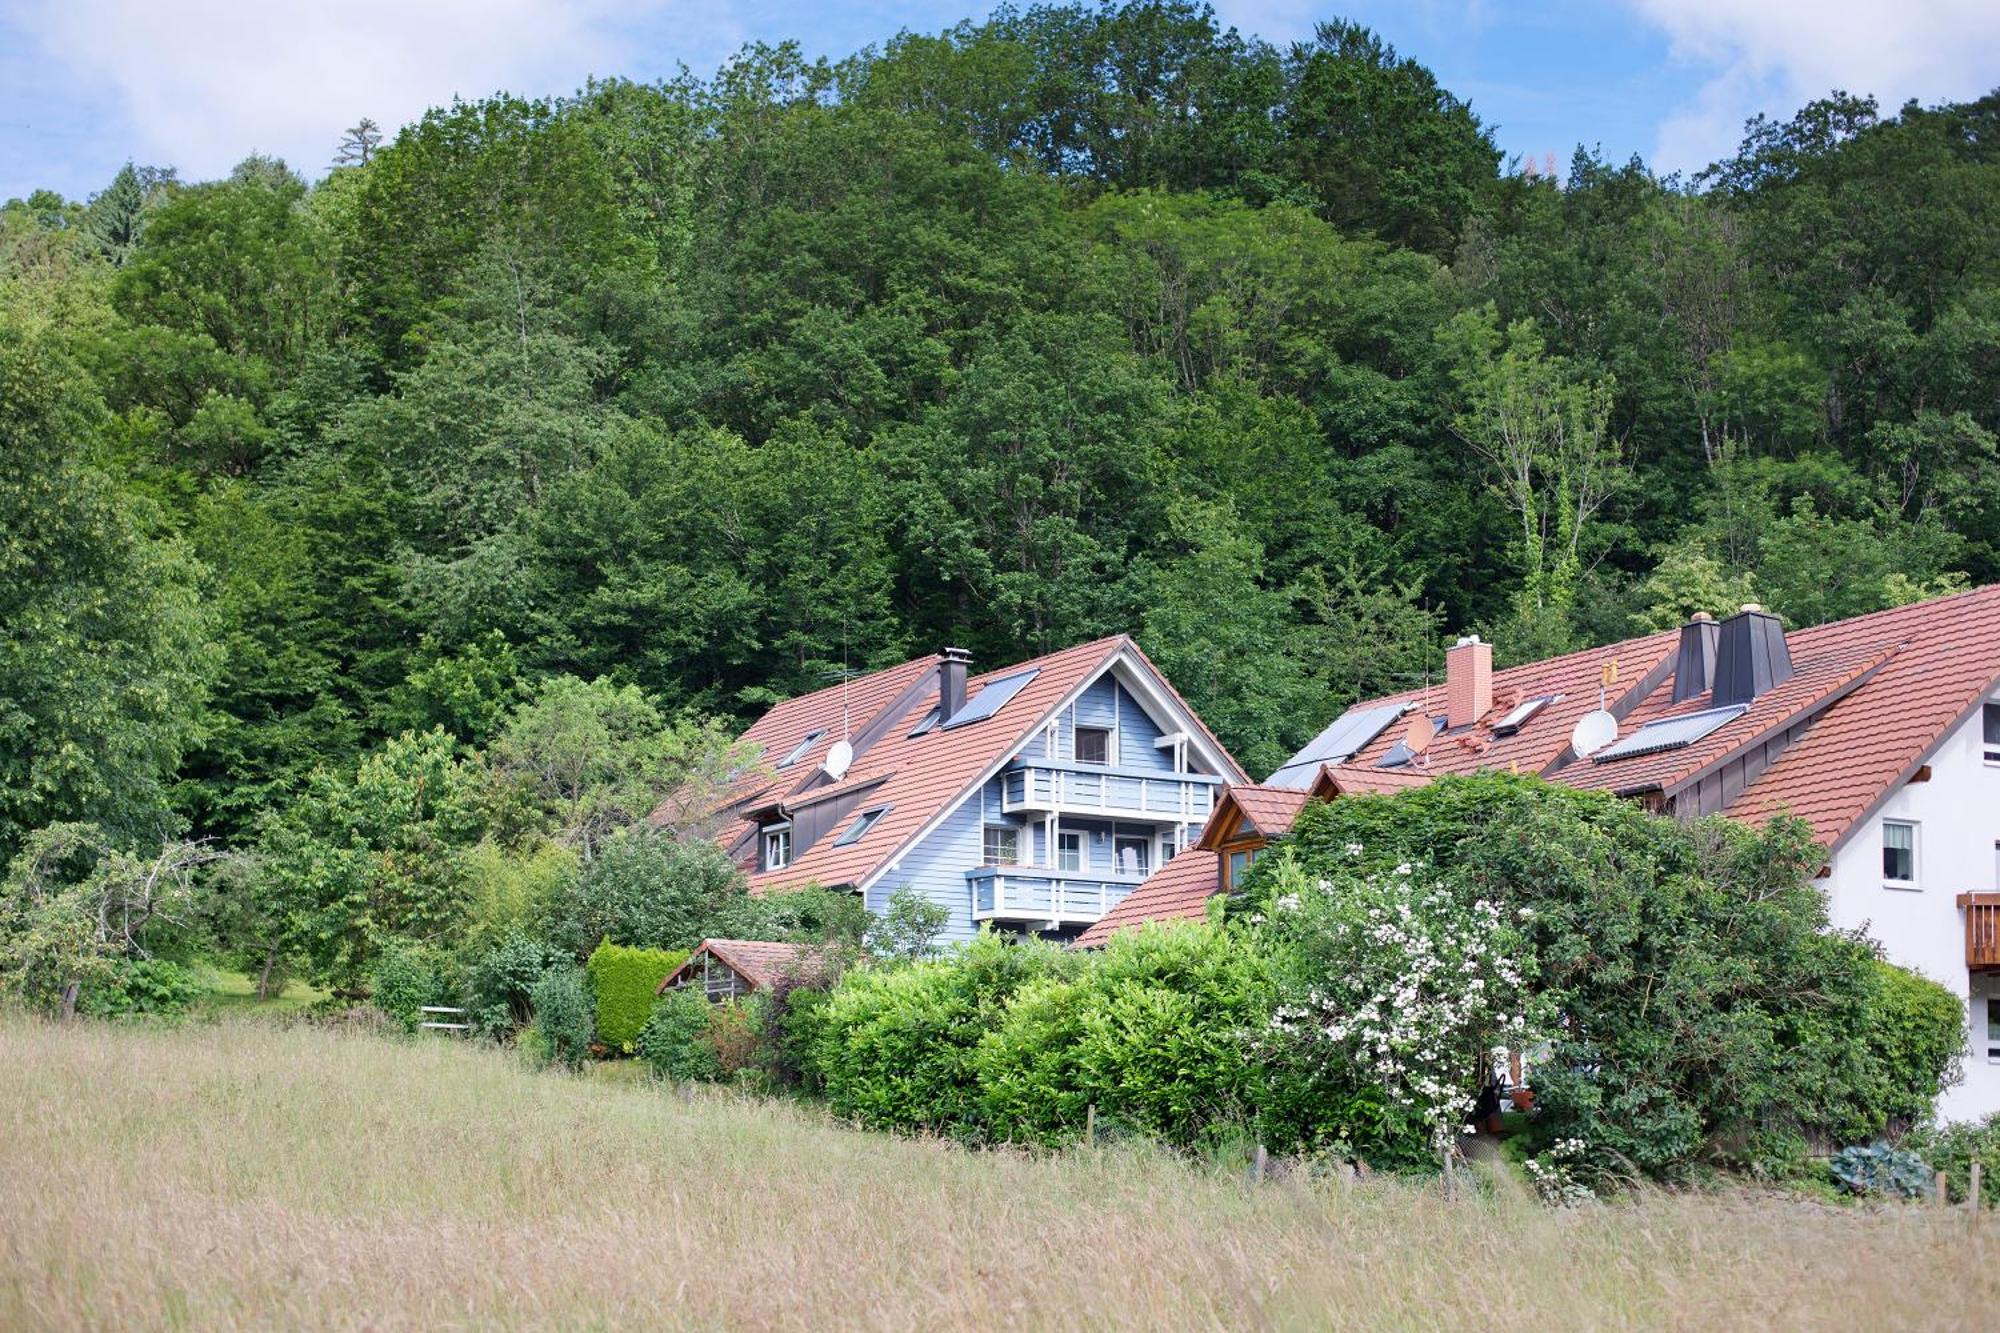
1943, 1194
1972, 1191
1090, 1126
1259, 1161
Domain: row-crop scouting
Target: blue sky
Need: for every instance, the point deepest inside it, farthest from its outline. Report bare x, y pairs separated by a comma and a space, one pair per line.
85, 84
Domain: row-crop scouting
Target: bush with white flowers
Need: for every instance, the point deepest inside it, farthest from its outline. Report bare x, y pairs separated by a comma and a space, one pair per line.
1402, 981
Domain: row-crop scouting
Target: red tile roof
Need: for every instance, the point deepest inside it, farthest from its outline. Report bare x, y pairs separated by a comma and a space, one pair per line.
1869, 742
1872, 697
1178, 890
760, 962
918, 778
1270, 810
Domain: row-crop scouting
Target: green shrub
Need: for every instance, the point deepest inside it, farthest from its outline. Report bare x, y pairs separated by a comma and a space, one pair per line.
408, 976
1709, 1015
671, 1041
895, 1045
1031, 1085
1172, 1028
502, 977
140, 986
563, 1015
1953, 1149
625, 983
1915, 1034
1879, 1169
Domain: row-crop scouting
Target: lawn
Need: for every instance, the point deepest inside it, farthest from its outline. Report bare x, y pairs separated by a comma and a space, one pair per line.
234, 993
242, 1174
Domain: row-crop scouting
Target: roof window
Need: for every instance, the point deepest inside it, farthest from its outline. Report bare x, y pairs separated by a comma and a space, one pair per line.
799, 750
990, 700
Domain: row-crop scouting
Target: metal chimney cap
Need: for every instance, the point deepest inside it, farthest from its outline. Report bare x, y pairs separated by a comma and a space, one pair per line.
955, 654
1467, 640
1750, 606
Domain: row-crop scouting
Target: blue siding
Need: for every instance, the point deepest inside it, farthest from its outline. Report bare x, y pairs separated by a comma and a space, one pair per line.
937, 866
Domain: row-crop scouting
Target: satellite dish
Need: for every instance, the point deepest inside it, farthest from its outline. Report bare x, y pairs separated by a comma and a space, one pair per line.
1594, 730
838, 756
1418, 735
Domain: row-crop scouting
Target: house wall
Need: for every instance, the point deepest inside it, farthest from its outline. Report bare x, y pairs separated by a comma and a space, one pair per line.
1957, 814
936, 867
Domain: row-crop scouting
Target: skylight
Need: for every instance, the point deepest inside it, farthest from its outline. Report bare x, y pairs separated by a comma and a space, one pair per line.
929, 722
990, 700
1520, 714
799, 751
864, 821
1670, 733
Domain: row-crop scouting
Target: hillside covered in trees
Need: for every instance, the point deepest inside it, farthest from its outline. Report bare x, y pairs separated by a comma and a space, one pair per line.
1072, 322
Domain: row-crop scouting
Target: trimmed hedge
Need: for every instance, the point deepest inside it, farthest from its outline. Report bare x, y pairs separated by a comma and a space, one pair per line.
625, 983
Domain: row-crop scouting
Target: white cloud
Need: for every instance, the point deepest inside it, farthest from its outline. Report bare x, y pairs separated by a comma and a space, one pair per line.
1775, 55
203, 82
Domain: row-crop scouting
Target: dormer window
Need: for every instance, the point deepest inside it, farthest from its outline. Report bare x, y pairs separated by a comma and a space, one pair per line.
777, 846
1093, 745
799, 750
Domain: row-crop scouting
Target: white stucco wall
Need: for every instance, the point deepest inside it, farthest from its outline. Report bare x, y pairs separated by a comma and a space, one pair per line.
1957, 814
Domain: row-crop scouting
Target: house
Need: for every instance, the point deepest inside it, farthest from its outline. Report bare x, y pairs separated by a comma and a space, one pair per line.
1033, 798
1882, 732
725, 969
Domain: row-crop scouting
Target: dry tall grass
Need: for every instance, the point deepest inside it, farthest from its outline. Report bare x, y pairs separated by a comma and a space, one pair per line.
244, 1176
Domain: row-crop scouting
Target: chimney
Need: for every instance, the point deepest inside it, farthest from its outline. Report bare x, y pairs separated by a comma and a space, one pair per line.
1694, 665
1468, 682
952, 663
1750, 656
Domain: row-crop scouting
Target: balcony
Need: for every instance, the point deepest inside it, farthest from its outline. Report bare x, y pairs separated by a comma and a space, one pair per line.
1031, 787
1045, 896
1982, 929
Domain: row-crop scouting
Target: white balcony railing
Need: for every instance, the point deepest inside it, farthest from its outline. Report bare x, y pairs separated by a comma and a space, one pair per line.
1039, 894
1160, 798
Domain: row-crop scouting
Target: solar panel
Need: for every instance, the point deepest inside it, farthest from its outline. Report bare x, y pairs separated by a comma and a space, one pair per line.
1671, 733
1345, 737
1519, 715
990, 699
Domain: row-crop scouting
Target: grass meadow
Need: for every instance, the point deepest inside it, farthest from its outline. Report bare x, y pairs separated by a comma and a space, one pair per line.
242, 1174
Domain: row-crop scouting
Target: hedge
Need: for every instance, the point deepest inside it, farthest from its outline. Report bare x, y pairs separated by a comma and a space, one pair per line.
625, 982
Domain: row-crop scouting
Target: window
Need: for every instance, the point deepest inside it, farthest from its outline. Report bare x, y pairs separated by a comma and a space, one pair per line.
1003, 845
777, 847
1234, 866
991, 698
928, 724
1132, 854
799, 750
1991, 721
1069, 851
1170, 845
1899, 853
864, 821
1993, 1029
1093, 745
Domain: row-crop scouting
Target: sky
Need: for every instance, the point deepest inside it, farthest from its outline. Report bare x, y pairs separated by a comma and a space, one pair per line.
199, 84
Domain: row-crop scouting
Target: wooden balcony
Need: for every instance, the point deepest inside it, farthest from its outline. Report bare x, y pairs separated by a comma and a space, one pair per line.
1982, 929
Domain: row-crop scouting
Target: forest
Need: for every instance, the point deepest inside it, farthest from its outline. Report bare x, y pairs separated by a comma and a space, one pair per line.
457, 500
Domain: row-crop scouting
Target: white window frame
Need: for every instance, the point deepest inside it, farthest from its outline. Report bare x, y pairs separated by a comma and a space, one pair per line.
772, 833
1070, 844
1139, 840
1110, 735
1916, 878
985, 843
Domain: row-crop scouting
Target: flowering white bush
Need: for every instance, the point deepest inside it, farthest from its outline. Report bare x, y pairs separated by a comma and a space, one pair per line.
1406, 982
1554, 1174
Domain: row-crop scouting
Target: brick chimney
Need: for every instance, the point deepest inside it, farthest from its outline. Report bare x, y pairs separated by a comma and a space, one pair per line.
1468, 681
952, 666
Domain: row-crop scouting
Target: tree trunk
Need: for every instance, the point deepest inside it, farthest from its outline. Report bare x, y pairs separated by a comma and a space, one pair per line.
69, 1000
264, 977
